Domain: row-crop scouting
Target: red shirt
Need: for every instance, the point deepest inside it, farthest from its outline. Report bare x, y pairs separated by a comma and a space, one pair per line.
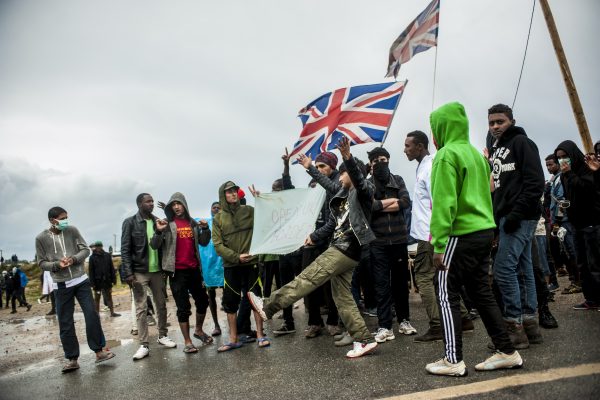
185, 247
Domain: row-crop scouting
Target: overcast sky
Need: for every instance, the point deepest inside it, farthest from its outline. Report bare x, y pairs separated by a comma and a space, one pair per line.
100, 101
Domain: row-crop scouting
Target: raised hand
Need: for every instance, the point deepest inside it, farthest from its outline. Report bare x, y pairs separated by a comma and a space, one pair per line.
203, 223
304, 160
592, 162
286, 158
344, 147
161, 224
255, 193
161, 205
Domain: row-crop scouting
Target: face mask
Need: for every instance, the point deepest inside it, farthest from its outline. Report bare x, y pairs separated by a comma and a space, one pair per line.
381, 171
62, 224
565, 160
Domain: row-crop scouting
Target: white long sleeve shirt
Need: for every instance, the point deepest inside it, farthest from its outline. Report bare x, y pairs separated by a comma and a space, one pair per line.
421, 207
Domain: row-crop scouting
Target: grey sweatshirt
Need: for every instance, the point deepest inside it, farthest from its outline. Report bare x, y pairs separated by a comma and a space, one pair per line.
168, 240
50, 248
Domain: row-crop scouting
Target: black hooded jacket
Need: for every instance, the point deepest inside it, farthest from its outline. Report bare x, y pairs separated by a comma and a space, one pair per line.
580, 189
518, 176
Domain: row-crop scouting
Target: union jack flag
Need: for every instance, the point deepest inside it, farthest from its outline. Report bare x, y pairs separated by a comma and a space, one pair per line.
361, 113
419, 36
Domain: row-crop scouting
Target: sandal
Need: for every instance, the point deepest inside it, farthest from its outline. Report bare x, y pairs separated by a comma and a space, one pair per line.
229, 346
264, 342
216, 332
104, 356
71, 365
190, 348
204, 338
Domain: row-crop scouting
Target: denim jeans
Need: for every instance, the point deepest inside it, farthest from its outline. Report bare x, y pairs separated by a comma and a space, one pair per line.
513, 272
65, 306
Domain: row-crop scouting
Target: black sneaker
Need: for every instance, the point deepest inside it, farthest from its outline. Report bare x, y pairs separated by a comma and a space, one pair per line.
432, 335
546, 318
284, 330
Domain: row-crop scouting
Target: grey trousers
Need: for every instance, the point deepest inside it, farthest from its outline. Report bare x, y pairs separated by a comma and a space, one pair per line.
424, 274
156, 283
331, 265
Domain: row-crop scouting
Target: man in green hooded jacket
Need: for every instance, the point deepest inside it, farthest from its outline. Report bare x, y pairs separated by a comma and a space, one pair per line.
462, 230
232, 235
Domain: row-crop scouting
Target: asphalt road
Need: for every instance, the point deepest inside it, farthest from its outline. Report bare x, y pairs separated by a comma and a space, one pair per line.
295, 367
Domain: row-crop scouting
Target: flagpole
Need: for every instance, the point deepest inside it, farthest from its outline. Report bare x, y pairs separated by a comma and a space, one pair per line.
393, 114
584, 131
435, 69
434, 76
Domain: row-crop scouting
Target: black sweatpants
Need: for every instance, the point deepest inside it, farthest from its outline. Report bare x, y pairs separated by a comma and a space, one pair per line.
290, 265
467, 259
183, 283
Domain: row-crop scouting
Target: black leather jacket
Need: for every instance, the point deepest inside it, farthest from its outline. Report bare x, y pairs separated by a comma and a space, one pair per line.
134, 246
360, 198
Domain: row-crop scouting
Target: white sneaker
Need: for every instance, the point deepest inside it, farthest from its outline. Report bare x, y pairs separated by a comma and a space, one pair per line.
501, 360
444, 367
384, 334
142, 352
166, 341
406, 328
361, 349
257, 304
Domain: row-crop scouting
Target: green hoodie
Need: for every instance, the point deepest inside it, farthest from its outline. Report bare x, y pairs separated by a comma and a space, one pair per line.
232, 230
460, 179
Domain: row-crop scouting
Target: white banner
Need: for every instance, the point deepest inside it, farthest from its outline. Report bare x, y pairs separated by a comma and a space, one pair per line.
283, 220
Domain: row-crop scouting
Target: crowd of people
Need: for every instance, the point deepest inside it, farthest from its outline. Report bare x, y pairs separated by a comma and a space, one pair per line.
492, 236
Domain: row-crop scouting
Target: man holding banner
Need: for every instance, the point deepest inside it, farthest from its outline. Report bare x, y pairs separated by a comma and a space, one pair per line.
348, 222
232, 235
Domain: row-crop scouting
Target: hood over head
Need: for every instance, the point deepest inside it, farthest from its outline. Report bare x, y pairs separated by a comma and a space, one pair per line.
177, 196
449, 124
576, 155
226, 207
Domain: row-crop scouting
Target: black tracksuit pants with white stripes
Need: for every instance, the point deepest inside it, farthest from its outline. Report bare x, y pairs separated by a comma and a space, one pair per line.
467, 260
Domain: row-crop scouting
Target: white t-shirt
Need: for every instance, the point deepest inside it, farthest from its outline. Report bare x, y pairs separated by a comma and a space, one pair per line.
421, 207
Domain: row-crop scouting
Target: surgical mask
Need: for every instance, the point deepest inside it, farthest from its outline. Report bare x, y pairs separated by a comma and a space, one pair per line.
565, 160
62, 224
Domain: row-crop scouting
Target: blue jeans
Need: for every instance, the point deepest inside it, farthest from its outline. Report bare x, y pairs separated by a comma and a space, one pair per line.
65, 306
542, 246
513, 272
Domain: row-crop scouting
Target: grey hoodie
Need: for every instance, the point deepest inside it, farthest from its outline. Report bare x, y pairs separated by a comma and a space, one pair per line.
50, 248
167, 240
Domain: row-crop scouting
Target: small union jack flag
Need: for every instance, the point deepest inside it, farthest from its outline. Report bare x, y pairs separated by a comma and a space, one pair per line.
419, 36
361, 113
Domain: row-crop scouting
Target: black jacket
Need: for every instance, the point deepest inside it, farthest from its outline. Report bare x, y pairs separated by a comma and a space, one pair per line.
134, 246
518, 176
390, 227
580, 189
360, 199
332, 186
102, 270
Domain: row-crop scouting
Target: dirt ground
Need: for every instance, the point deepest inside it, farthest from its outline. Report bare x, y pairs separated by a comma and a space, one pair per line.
30, 338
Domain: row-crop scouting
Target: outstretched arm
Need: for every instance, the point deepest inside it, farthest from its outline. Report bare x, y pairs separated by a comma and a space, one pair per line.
330, 186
